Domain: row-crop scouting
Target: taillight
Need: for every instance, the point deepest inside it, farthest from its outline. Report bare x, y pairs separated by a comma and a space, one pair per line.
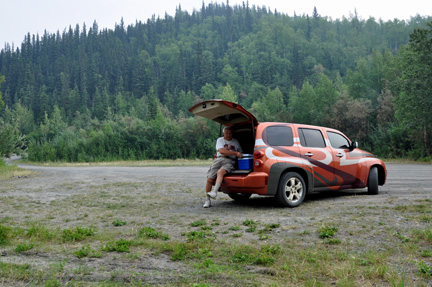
258, 163
258, 154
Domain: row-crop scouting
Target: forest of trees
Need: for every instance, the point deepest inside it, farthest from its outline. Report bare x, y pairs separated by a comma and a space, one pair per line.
90, 94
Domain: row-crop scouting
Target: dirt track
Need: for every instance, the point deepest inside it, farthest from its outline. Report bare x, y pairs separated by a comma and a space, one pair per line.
170, 198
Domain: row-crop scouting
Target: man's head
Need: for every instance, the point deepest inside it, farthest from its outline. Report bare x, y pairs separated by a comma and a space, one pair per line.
227, 133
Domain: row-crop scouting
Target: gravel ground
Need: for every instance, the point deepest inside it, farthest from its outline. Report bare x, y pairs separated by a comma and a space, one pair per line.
170, 198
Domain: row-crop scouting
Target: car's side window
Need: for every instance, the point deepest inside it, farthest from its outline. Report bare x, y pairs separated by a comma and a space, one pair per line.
338, 140
279, 136
311, 138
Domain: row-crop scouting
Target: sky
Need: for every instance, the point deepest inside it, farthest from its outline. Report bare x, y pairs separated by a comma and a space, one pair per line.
19, 17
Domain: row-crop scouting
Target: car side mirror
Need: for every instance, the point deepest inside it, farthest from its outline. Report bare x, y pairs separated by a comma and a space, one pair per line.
354, 145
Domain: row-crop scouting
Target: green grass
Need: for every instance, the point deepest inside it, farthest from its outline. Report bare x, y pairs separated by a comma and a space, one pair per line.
77, 234
212, 256
16, 272
150, 232
119, 222
200, 222
121, 245
22, 247
327, 231
8, 171
425, 269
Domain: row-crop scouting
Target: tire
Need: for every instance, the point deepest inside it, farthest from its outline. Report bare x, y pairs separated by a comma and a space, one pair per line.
240, 197
291, 190
372, 183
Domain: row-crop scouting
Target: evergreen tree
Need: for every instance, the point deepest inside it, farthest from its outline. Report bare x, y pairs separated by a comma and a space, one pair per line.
414, 103
2, 78
228, 94
145, 76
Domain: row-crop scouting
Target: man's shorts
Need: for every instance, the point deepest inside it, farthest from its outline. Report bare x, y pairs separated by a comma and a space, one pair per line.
226, 163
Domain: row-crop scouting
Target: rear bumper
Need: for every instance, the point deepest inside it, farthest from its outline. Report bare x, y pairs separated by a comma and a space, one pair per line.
254, 182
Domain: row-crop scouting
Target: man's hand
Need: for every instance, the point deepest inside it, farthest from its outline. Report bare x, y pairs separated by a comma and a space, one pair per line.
239, 155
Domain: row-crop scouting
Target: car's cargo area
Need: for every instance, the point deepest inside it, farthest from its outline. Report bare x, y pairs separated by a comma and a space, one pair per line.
246, 137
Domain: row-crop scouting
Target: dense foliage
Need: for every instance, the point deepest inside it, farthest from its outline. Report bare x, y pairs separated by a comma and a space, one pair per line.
91, 94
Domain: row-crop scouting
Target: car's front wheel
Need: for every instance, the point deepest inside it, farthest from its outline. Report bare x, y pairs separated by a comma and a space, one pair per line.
240, 197
373, 180
291, 190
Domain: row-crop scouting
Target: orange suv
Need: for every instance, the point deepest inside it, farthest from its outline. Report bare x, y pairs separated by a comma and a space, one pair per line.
290, 160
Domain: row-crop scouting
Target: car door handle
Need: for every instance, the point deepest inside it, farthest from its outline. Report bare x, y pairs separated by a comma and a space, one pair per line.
308, 154
339, 155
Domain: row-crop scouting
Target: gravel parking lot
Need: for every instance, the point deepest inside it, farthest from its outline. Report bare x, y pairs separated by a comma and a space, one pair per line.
170, 199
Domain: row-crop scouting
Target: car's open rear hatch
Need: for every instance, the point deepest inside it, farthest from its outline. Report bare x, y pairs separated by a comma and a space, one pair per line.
223, 112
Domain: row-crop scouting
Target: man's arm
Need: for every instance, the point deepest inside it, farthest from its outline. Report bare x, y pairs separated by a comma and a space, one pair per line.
227, 152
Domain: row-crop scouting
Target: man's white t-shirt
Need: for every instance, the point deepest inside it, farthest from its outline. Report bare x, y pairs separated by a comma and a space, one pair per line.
232, 145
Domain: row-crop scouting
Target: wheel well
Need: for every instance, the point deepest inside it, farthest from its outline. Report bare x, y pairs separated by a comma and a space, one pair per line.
301, 172
381, 174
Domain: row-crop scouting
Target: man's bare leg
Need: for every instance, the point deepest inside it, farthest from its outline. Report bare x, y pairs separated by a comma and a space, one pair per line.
208, 187
220, 174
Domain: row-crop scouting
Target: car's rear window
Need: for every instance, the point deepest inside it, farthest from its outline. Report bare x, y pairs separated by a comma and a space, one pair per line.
279, 136
311, 138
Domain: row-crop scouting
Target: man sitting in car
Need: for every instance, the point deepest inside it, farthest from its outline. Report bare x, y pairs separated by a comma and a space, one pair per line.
228, 149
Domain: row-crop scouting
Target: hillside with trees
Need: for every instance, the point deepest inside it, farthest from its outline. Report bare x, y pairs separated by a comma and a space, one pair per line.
90, 94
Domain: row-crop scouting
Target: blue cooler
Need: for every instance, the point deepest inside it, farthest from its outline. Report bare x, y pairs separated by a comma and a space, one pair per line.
246, 162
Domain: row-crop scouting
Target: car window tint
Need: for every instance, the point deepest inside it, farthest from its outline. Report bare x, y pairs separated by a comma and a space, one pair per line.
338, 140
311, 138
279, 136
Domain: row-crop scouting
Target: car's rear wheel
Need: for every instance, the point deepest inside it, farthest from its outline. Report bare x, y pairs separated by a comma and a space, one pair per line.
291, 190
240, 197
373, 180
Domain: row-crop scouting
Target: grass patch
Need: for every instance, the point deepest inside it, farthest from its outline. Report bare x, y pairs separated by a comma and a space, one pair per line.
8, 171
150, 232
197, 223
18, 272
121, 245
425, 269
24, 247
119, 222
326, 231
40, 232
246, 254
423, 234
5, 234
290, 262
252, 225
87, 251
419, 208
77, 234
200, 235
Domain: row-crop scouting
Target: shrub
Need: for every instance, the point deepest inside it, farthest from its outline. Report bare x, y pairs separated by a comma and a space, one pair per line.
77, 234
119, 222
150, 232
23, 247
327, 231
121, 245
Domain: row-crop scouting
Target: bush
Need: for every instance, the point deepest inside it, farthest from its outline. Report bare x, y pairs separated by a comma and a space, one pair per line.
150, 232
120, 245
77, 234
